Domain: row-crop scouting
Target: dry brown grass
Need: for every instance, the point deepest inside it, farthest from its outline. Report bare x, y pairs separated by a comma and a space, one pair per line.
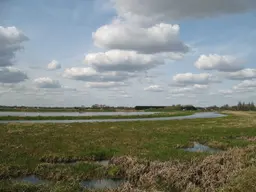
241, 113
206, 175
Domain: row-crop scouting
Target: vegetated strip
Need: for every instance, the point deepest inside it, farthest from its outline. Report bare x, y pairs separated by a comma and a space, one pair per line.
14, 118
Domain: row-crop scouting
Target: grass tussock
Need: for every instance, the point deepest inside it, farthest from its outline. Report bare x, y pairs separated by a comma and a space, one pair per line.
98, 155
206, 175
78, 171
245, 181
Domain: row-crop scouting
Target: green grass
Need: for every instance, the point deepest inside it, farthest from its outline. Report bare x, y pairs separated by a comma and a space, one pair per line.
41, 148
13, 118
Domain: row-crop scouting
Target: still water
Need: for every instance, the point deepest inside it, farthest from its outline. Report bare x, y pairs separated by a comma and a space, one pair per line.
201, 148
34, 114
194, 116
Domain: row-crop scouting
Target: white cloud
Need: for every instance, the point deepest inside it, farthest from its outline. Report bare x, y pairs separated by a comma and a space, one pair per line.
105, 85
185, 79
224, 63
160, 38
53, 65
122, 96
80, 73
117, 60
226, 92
154, 88
192, 89
167, 10
245, 74
91, 75
46, 82
249, 85
12, 75
11, 40
243, 87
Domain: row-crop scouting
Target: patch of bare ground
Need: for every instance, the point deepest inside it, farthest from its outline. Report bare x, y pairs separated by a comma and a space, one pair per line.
208, 175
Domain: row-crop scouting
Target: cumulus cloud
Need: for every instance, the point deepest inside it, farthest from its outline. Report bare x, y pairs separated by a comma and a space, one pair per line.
224, 63
91, 75
11, 40
53, 65
160, 38
117, 60
154, 88
245, 74
246, 85
12, 75
241, 88
48, 83
105, 85
123, 96
166, 10
186, 79
226, 92
192, 89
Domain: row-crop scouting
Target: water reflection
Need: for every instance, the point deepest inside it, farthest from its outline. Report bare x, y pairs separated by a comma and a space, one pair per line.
202, 148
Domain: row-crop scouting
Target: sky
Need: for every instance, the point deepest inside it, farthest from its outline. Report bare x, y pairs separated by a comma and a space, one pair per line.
127, 53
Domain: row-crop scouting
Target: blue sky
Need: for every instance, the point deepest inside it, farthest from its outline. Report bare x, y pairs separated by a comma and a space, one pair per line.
62, 32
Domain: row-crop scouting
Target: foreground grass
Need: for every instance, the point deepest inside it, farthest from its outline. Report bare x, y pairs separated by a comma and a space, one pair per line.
173, 114
41, 149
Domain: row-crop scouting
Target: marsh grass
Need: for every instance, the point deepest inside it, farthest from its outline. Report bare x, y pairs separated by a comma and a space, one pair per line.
207, 174
47, 150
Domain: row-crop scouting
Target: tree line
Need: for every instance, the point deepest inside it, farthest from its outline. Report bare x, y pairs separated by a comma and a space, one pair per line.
241, 106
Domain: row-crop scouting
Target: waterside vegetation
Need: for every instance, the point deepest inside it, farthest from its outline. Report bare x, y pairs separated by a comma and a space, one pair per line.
148, 155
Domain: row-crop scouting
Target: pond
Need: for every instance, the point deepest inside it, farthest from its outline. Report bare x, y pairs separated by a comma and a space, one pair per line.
201, 148
194, 116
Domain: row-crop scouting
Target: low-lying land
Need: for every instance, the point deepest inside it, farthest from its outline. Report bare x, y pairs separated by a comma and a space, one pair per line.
148, 155
156, 115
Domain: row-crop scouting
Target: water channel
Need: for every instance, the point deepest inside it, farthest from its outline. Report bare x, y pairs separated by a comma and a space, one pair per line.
194, 116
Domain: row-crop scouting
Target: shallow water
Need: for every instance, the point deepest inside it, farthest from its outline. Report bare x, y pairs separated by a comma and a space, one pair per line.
102, 184
32, 179
54, 114
103, 162
194, 116
202, 148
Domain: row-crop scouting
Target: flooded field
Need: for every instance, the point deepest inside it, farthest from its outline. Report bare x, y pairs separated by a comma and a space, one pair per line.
194, 116
34, 114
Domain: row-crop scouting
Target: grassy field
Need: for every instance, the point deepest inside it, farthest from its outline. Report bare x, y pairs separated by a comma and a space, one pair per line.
140, 151
170, 114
